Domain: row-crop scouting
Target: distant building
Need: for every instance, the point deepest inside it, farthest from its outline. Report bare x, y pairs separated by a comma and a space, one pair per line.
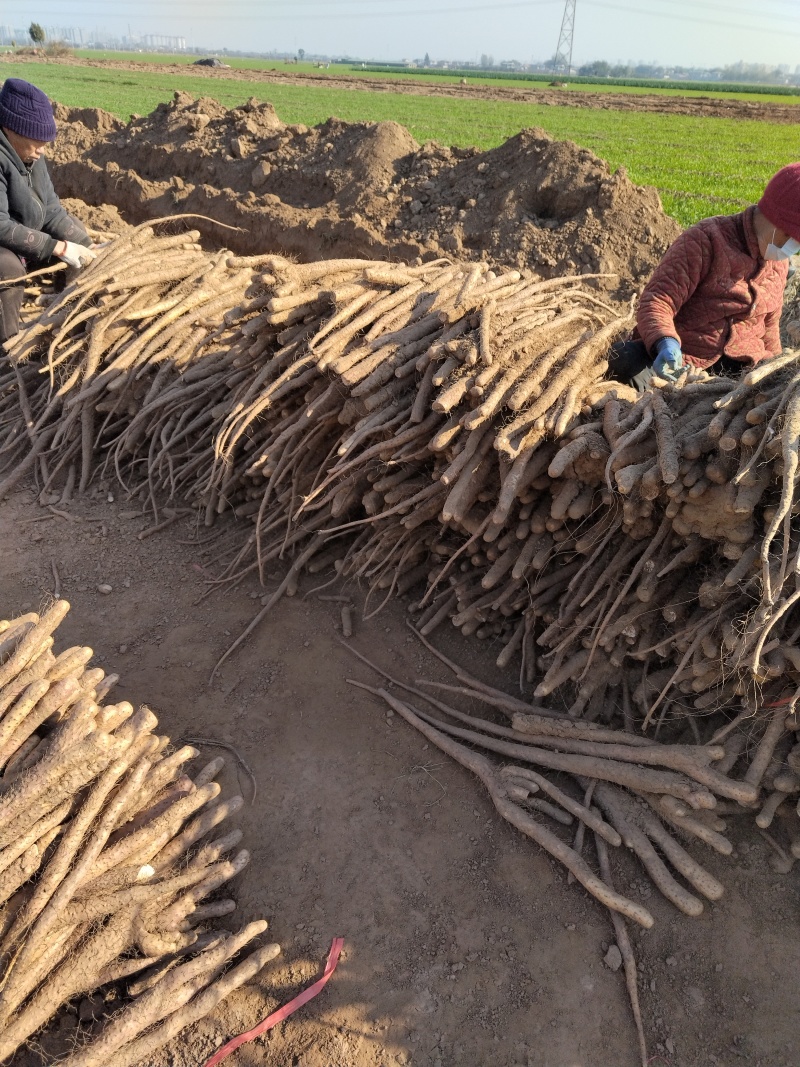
18, 35
160, 43
68, 34
81, 38
13, 35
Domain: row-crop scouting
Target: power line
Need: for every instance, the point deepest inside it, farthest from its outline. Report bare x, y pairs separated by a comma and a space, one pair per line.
710, 5
243, 9
332, 7
237, 11
487, 7
690, 18
231, 15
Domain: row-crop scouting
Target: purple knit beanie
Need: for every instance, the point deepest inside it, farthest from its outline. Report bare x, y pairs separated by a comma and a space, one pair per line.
26, 110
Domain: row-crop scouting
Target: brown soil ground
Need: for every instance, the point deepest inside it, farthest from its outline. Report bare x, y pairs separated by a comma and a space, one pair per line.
364, 190
465, 945
699, 106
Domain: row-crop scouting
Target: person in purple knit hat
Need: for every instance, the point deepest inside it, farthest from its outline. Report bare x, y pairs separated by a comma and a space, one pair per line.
34, 226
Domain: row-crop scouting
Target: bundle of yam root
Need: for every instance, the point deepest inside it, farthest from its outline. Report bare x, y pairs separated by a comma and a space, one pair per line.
111, 860
446, 431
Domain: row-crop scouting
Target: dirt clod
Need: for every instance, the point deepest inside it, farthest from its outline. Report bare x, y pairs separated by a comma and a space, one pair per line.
613, 958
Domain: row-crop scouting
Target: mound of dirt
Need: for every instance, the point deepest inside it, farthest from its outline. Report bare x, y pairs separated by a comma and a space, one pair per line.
103, 219
79, 128
364, 189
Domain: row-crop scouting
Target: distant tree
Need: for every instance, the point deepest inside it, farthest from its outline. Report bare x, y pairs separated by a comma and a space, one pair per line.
751, 72
598, 69
301, 54
648, 70
36, 33
427, 60
487, 61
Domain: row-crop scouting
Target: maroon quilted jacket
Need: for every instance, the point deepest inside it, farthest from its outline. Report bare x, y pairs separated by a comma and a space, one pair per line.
714, 292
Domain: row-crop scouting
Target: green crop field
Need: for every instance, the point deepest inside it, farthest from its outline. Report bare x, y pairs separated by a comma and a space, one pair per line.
783, 93
760, 94
701, 166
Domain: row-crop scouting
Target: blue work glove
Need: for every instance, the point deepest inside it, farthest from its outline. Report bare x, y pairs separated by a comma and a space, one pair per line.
669, 359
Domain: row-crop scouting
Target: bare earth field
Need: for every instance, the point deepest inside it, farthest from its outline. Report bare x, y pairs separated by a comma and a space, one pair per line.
463, 944
698, 107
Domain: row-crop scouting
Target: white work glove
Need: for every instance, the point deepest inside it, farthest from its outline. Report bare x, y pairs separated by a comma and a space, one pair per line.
75, 255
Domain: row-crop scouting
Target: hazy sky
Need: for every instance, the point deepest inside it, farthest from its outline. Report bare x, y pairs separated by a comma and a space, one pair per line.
684, 32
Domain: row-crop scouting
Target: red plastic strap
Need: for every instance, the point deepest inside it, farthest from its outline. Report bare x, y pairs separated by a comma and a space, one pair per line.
282, 1013
782, 703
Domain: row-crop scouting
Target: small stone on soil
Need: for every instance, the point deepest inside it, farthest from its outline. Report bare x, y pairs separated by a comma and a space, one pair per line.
613, 958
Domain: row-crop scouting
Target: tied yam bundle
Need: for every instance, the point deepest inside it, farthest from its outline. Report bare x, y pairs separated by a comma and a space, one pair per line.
440, 427
702, 542
112, 858
146, 304
661, 788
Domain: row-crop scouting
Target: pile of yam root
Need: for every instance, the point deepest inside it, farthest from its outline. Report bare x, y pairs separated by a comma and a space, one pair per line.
109, 853
447, 432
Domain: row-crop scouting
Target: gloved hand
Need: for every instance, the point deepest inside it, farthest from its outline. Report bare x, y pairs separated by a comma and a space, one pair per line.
75, 255
669, 359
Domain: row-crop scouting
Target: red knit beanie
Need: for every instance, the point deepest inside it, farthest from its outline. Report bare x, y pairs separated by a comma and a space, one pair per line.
781, 200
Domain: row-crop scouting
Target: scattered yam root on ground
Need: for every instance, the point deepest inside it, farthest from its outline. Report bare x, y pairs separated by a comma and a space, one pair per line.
111, 861
546, 772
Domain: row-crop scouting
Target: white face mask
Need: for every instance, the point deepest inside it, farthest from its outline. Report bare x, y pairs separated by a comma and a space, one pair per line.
777, 254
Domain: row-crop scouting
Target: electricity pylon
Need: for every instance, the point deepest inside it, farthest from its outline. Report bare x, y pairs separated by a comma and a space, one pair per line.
562, 62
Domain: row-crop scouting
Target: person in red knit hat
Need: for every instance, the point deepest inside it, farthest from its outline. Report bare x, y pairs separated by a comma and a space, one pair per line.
715, 299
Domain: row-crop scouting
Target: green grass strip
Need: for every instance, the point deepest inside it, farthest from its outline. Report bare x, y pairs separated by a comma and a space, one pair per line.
701, 166
610, 84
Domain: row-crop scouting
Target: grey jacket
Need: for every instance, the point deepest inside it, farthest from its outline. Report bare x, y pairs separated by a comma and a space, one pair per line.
32, 220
